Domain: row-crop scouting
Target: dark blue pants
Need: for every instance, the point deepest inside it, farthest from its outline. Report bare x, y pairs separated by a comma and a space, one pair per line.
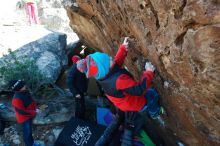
80, 102
27, 133
152, 106
80, 107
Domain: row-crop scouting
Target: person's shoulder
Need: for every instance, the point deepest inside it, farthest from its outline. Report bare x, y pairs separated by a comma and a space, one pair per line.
73, 66
72, 70
16, 94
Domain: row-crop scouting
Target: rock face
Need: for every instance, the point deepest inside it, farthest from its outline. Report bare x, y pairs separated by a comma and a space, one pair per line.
182, 39
49, 52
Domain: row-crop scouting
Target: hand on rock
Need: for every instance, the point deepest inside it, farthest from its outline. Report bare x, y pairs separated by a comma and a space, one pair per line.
38, 111
126, 43
78, 96
149, 66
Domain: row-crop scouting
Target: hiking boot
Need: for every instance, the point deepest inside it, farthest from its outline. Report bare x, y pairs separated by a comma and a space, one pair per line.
161, 112
159, 118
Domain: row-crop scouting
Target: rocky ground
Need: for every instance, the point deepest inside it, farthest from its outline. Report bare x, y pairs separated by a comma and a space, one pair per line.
13, 37
48, 123
56, 108
45, 135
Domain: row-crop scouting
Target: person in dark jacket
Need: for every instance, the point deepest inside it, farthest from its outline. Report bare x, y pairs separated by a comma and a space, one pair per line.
25, 109
119, 85
132, 123
111, 131
77, 84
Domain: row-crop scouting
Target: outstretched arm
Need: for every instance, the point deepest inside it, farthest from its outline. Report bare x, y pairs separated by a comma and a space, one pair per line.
122, 52
130, 86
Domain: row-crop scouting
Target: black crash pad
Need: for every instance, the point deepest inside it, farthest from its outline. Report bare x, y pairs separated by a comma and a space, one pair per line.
79, 133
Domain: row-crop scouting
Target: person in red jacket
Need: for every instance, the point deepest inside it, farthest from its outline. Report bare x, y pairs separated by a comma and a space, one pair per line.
32, 11
25, 109
119, 85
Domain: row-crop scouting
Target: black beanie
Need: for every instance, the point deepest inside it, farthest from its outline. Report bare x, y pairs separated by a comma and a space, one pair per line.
16, 85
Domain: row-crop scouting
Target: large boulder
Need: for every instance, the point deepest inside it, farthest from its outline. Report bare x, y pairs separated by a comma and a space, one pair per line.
53, 15
181, 38
49, 53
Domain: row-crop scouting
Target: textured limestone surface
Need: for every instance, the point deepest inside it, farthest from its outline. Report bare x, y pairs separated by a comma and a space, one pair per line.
180, 37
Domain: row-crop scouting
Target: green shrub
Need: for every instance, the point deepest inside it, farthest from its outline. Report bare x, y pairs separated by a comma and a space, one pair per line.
25, 70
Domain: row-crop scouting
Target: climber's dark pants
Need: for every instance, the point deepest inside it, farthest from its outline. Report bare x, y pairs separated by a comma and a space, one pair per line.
80, 107
152, 106
79, 102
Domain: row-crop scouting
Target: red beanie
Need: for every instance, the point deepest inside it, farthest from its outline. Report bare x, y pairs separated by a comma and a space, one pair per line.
75, 58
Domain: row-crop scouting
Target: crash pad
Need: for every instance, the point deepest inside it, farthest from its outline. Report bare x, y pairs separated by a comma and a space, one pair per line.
78, 132
104, 116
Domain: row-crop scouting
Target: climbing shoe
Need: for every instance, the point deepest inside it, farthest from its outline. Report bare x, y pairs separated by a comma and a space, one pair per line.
162, 111
159, 118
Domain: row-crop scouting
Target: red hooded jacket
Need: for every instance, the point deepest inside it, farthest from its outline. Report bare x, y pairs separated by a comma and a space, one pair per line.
24, 105
120, 86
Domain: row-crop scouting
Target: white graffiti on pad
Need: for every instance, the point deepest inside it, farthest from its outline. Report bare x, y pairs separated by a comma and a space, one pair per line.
81, 135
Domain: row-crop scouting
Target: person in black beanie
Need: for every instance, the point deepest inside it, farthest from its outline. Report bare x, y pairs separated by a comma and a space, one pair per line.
25, 109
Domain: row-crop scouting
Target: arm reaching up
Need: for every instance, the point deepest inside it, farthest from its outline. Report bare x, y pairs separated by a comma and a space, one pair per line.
122, 52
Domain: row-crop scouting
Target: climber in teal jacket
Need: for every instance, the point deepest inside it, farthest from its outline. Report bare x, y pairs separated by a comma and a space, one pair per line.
118, 84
